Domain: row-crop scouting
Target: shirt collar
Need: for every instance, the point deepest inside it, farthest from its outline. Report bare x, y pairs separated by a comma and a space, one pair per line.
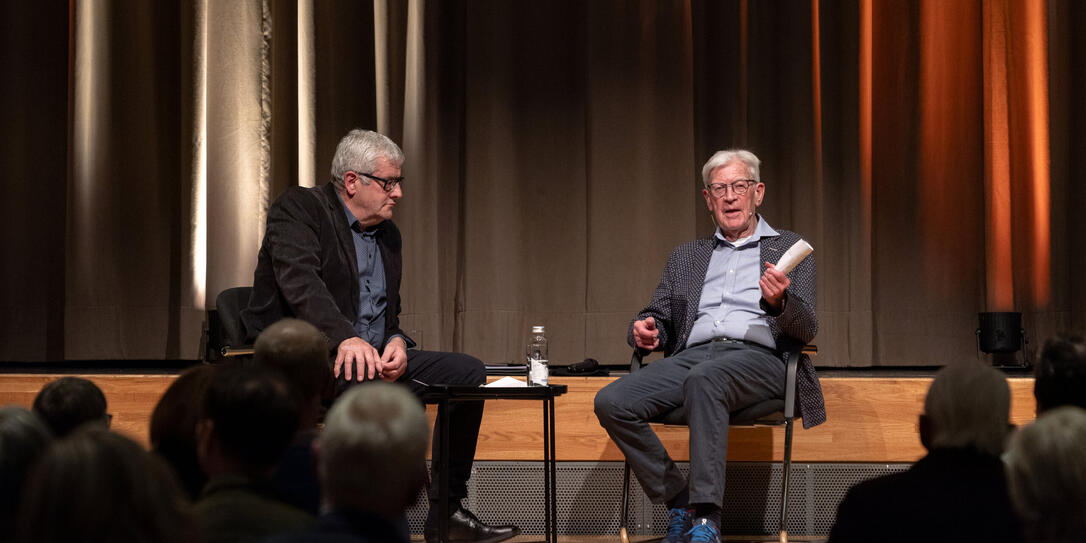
761, 230
352, 221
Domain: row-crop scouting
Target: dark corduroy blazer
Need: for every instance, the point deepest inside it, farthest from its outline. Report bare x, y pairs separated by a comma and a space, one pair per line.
307, 267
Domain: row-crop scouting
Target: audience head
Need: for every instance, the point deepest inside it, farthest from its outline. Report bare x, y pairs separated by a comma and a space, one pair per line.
298, 351
378, 424
250, 416
70, 402
98, 485
173, 426
1046, 472
1061, 374
23, 439
359, 151
967, 406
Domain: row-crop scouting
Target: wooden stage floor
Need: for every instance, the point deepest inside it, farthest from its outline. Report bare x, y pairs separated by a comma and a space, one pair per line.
871, 418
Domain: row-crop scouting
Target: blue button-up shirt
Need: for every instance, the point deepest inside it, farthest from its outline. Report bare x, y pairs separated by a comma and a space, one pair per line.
372, 301
730, 297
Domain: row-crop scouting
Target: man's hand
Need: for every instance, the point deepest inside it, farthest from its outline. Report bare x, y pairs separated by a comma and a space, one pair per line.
773, 284
355, 353
646, 336
394, 359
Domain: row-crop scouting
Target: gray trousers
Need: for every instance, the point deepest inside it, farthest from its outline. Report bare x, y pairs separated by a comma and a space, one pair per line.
710, 380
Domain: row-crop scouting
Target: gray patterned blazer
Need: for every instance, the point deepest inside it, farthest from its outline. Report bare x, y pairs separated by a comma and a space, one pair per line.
674, 306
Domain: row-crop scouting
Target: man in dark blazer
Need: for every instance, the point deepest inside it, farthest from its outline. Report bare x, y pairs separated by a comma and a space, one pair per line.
957, 492
332, 256
726, 320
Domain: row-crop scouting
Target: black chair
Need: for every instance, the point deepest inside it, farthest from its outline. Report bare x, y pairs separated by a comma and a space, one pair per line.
225, 331
776, 412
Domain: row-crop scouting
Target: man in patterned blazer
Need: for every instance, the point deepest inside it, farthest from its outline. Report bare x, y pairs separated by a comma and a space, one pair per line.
726, 320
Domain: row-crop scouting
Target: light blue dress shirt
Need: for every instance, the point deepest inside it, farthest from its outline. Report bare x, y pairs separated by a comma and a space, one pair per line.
730, 297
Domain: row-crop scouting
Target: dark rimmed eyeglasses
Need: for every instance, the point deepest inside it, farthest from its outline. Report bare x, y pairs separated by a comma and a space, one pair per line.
387, 184
740, 187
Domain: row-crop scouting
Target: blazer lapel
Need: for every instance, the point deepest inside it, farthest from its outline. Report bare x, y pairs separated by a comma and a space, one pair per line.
703, 252
770, 251
334, 207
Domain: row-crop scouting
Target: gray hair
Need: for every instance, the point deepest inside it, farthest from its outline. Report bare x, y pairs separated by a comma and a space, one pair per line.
727, 156
372, 452
359, 150
299, 351
968, 405
1046, 475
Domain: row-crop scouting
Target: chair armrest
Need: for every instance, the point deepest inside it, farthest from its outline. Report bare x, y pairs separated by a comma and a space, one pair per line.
791, 370
232, 352
636, 359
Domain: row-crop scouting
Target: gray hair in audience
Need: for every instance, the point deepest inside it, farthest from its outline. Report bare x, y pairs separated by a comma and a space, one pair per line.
723, 158
299, 351
968, 405
358, 152
372, 452
1046, 472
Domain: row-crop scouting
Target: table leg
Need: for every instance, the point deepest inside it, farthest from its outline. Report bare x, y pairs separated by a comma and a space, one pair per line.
443, 465
554, 470
550, 486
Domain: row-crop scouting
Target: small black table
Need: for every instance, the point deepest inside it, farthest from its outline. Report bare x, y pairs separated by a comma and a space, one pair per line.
443, 395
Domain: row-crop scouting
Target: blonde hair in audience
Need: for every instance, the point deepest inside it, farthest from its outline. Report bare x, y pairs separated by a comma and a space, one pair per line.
968, 406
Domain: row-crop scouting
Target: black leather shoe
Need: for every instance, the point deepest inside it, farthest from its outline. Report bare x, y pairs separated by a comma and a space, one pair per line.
465, 527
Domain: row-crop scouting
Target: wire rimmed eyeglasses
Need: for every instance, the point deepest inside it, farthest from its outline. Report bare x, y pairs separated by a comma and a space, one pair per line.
740, 187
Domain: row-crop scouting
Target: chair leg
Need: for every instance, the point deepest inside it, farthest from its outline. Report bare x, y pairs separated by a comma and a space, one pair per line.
623, 533
785, 475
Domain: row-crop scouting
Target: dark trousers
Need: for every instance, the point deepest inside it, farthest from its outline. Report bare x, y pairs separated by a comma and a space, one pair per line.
433, 368
709, 381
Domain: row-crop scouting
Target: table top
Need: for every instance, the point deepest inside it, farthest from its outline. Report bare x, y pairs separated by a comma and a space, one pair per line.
436, 393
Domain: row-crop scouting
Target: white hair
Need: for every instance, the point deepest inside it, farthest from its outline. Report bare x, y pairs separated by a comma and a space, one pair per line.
358, 152
968, 405
1046, 474
727, 156
372, 452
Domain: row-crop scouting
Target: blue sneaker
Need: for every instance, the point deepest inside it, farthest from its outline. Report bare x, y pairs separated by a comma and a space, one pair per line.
679, 521
704, 531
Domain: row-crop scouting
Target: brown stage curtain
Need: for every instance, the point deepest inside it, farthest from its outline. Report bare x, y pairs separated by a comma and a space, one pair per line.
927, 149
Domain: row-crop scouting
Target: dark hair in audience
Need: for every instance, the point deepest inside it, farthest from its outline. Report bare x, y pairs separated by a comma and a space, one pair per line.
70, 402
254, 413
1060, 375
1046, 475
23, 438
299, 351
96, 485
173, 426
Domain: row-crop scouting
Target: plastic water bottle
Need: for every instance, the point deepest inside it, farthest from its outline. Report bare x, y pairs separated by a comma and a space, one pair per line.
537, 358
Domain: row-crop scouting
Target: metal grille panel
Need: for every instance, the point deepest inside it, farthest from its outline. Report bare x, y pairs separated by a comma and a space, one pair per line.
589, 495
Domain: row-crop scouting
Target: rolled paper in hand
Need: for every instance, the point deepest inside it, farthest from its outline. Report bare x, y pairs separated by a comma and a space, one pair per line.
797, 252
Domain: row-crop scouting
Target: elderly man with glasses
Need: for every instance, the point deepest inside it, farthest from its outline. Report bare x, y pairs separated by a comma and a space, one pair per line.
331, 256
726, 319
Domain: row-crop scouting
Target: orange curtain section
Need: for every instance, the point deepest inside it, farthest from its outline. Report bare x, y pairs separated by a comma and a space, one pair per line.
949, 141
1017, 184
